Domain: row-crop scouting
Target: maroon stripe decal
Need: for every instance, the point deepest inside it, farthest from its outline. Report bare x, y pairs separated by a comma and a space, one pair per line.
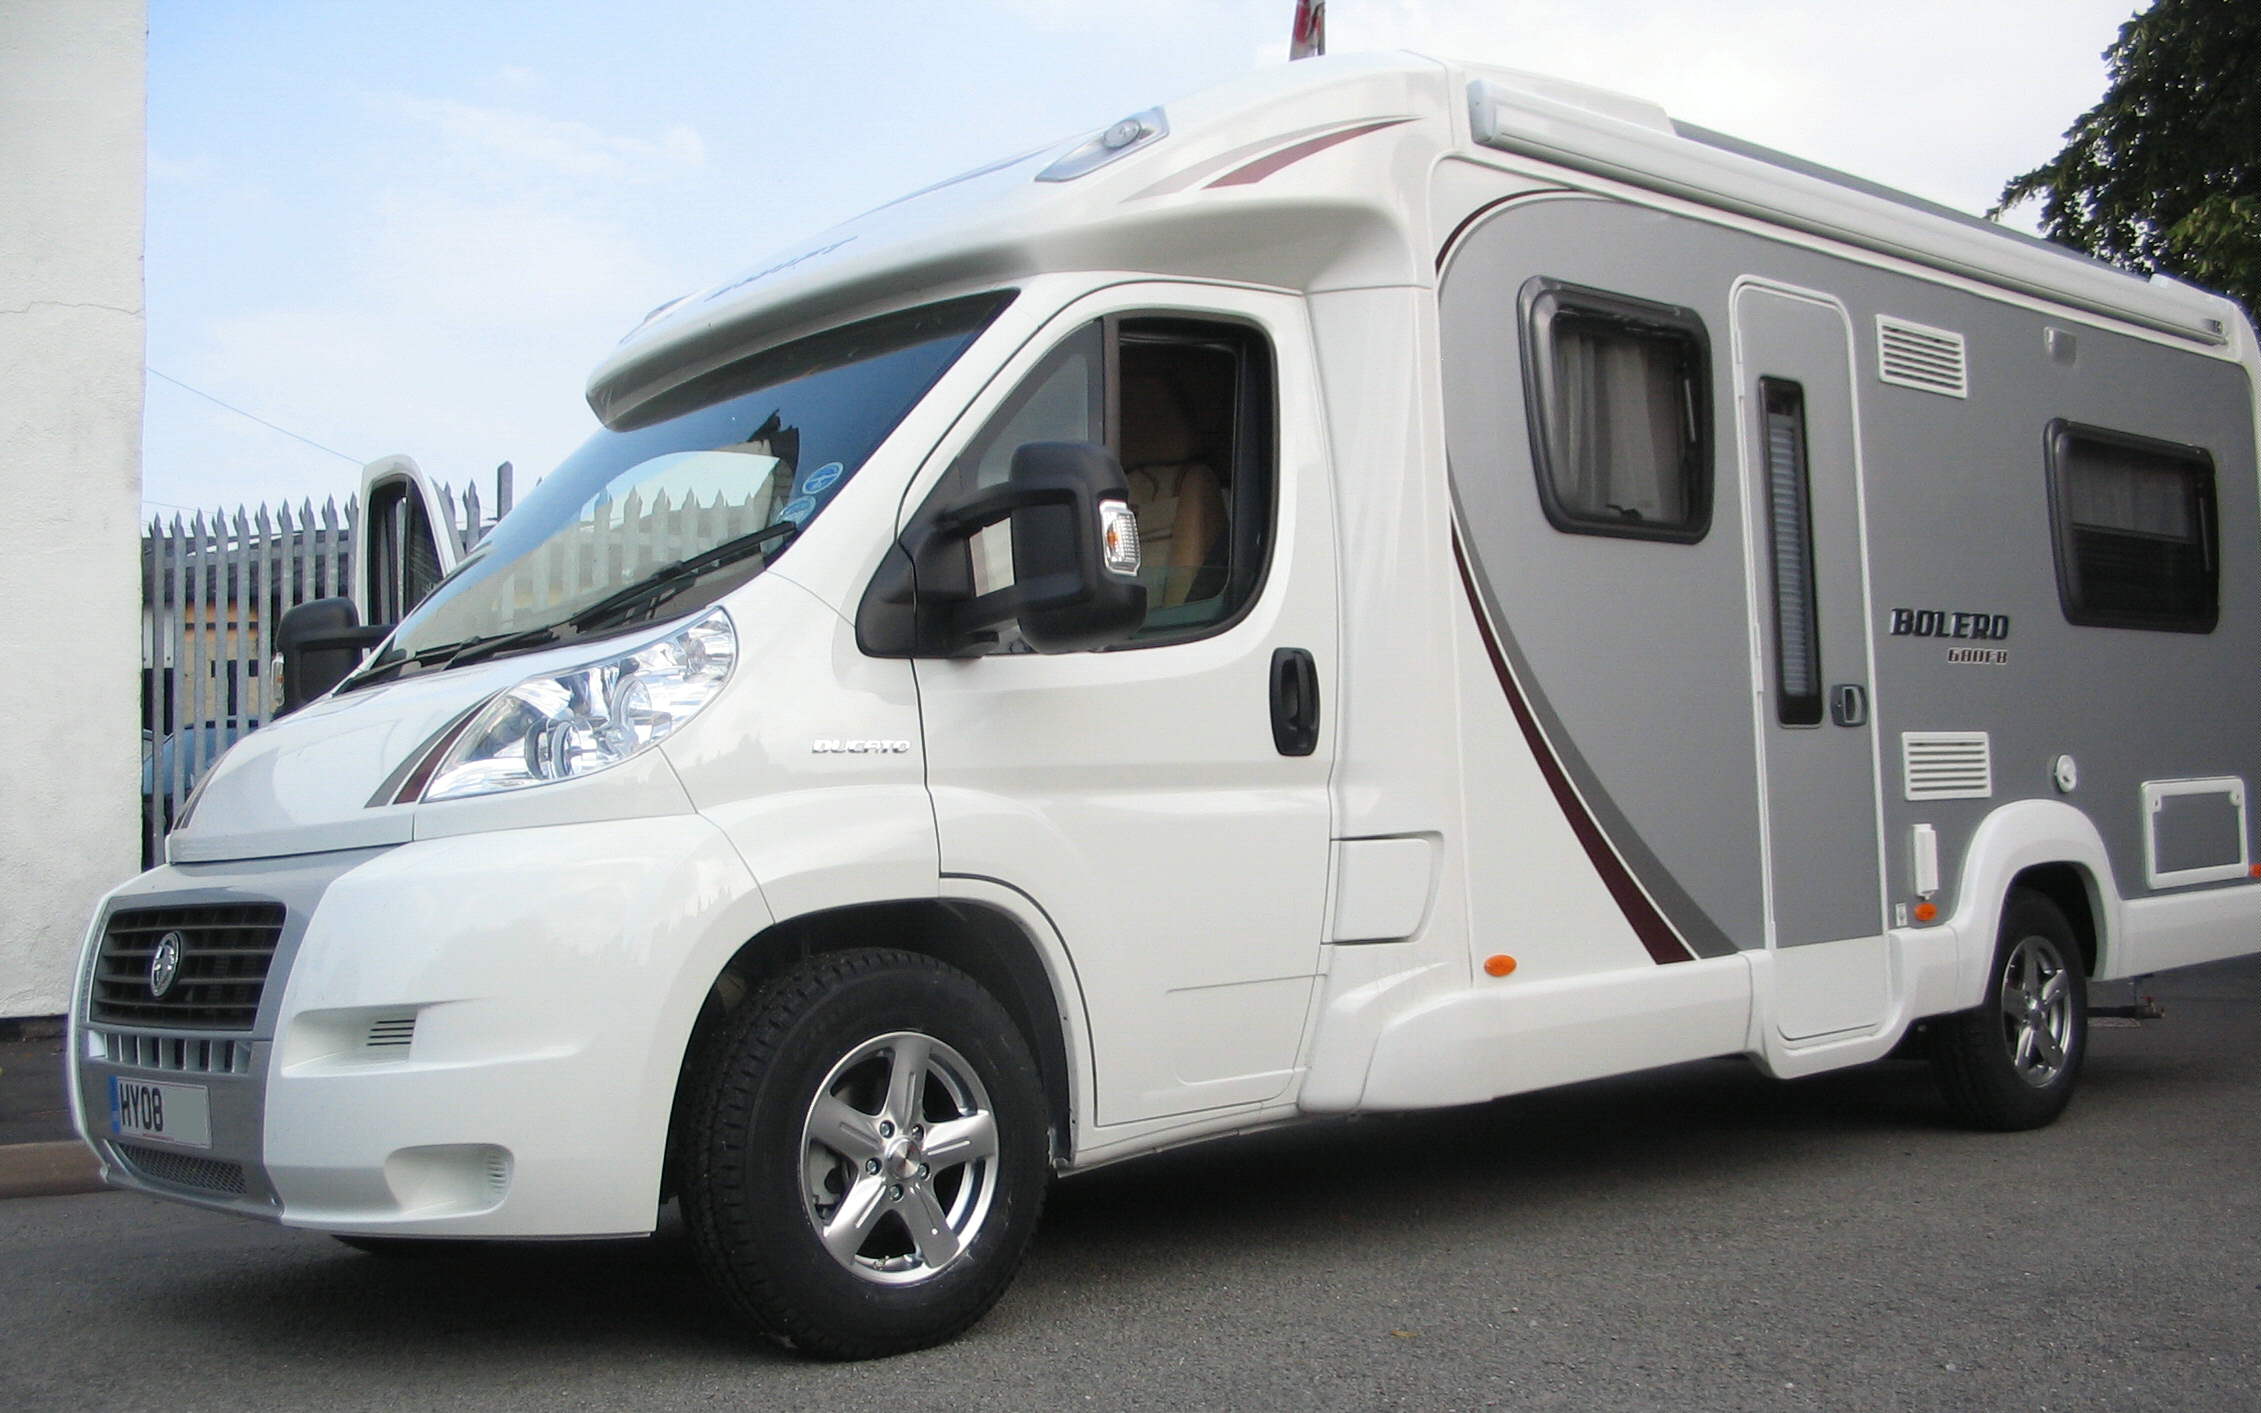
1656, 934
1263, 167
1487, 209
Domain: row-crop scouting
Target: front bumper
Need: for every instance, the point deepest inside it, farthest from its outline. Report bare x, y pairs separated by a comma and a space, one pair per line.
472, 1036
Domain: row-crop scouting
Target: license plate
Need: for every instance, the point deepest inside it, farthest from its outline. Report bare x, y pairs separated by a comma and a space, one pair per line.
176, 1113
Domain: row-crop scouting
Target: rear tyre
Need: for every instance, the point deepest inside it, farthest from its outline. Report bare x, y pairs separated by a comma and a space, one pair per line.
868, 1156
2012, 1063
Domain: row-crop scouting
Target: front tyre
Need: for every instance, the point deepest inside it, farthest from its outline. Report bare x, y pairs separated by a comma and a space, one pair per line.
868, 1157
2012, 1063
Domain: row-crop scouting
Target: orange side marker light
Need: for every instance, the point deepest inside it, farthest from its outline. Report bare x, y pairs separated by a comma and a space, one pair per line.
2255, 870
1925, 912
1500, 965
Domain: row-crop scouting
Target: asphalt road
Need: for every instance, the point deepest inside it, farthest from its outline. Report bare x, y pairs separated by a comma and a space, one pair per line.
1696, 1238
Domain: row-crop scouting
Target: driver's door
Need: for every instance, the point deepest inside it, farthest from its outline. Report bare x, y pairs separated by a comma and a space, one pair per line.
1144, 796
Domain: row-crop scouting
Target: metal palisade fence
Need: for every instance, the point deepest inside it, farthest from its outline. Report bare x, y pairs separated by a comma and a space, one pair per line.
213, 589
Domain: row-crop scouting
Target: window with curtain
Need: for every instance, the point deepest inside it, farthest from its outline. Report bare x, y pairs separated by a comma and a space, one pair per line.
1619, 396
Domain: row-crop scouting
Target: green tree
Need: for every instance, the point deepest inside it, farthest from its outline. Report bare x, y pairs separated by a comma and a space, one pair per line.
2165, 173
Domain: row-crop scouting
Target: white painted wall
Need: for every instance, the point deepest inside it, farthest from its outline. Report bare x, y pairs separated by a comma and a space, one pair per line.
72, 99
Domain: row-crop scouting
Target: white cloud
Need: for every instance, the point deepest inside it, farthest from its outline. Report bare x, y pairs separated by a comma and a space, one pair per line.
507, 262
456, 329
166, 170
1148, 17
1946, 98
514, 137
483, 271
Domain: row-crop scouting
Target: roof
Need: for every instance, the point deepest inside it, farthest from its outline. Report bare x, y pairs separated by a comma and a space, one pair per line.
1186, 191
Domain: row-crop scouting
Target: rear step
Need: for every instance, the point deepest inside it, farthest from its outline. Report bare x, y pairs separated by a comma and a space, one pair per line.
2138, 1007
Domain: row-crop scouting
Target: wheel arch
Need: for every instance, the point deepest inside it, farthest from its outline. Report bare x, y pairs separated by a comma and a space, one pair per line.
983, 940
2047, 847
2073, 889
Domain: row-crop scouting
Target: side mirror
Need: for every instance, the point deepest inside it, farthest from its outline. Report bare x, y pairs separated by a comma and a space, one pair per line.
1074, 572
318, 643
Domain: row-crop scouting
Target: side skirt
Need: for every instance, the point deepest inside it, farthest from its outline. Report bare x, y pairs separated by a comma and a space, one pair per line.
1514, 1036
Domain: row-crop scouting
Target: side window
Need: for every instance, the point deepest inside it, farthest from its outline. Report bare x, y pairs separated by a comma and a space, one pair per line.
1619, 398
404, 559
2134, 523
1193, 422
1187, 406
1064, 400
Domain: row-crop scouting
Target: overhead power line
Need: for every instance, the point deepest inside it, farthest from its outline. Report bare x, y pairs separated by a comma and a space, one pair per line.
218, 402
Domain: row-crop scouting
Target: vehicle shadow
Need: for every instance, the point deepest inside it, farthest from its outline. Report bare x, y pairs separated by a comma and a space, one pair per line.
1313, 1194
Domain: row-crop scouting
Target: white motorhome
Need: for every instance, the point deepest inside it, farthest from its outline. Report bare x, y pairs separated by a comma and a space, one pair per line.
1385, 585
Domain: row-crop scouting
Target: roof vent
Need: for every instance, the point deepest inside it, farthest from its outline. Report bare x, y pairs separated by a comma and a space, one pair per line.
1946, 765
1918, 356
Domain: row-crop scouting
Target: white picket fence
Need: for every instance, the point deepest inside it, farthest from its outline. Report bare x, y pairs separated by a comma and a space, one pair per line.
213, 589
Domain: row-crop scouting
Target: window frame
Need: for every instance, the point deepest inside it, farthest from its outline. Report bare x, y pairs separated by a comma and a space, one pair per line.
1544, 303
1253, 459
2059, 440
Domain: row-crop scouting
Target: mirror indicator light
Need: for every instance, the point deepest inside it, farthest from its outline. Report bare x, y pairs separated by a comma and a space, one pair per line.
1118, 538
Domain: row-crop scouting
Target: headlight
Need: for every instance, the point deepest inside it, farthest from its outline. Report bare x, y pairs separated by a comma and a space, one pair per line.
587, 719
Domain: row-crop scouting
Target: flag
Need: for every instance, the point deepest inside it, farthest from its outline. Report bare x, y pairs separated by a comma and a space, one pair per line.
1310, 35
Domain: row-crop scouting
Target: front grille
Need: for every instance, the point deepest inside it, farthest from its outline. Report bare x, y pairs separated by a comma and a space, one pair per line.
190, 1054
182, 1169
224, 951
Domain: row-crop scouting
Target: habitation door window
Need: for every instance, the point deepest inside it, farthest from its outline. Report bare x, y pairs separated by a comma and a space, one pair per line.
1797, 640
2135, 530
1618, 393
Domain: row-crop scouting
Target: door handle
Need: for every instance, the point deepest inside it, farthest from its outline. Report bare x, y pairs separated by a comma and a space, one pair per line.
1295, 702
1848, 704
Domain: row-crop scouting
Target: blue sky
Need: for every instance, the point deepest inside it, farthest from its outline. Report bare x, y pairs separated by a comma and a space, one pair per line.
413, 227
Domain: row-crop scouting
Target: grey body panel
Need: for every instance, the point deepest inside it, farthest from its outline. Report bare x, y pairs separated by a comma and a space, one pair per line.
1823, 864
238, 1100
1639, 653
1633, 653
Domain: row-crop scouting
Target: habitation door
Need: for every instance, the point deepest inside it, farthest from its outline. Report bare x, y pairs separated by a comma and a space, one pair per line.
1817, 749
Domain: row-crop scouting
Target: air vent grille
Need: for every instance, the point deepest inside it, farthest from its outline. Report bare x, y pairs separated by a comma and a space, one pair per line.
1917, 356
1946, 765
182, 1169
188, 1054
388, 1032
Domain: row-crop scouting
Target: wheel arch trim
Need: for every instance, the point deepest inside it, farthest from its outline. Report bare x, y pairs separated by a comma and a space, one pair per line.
986, 928
2011, 842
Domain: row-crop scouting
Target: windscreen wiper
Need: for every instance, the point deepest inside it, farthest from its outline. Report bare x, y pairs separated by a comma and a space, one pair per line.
658, 586
472, 650
456, 654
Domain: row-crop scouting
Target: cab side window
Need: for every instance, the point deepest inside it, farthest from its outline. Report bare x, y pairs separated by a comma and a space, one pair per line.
1194, 429
1187, 406
404, 557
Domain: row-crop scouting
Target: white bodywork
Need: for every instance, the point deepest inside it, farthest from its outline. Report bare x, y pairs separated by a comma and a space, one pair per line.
1231, 938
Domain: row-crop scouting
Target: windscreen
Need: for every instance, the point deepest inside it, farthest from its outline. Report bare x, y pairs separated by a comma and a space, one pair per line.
698, 493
